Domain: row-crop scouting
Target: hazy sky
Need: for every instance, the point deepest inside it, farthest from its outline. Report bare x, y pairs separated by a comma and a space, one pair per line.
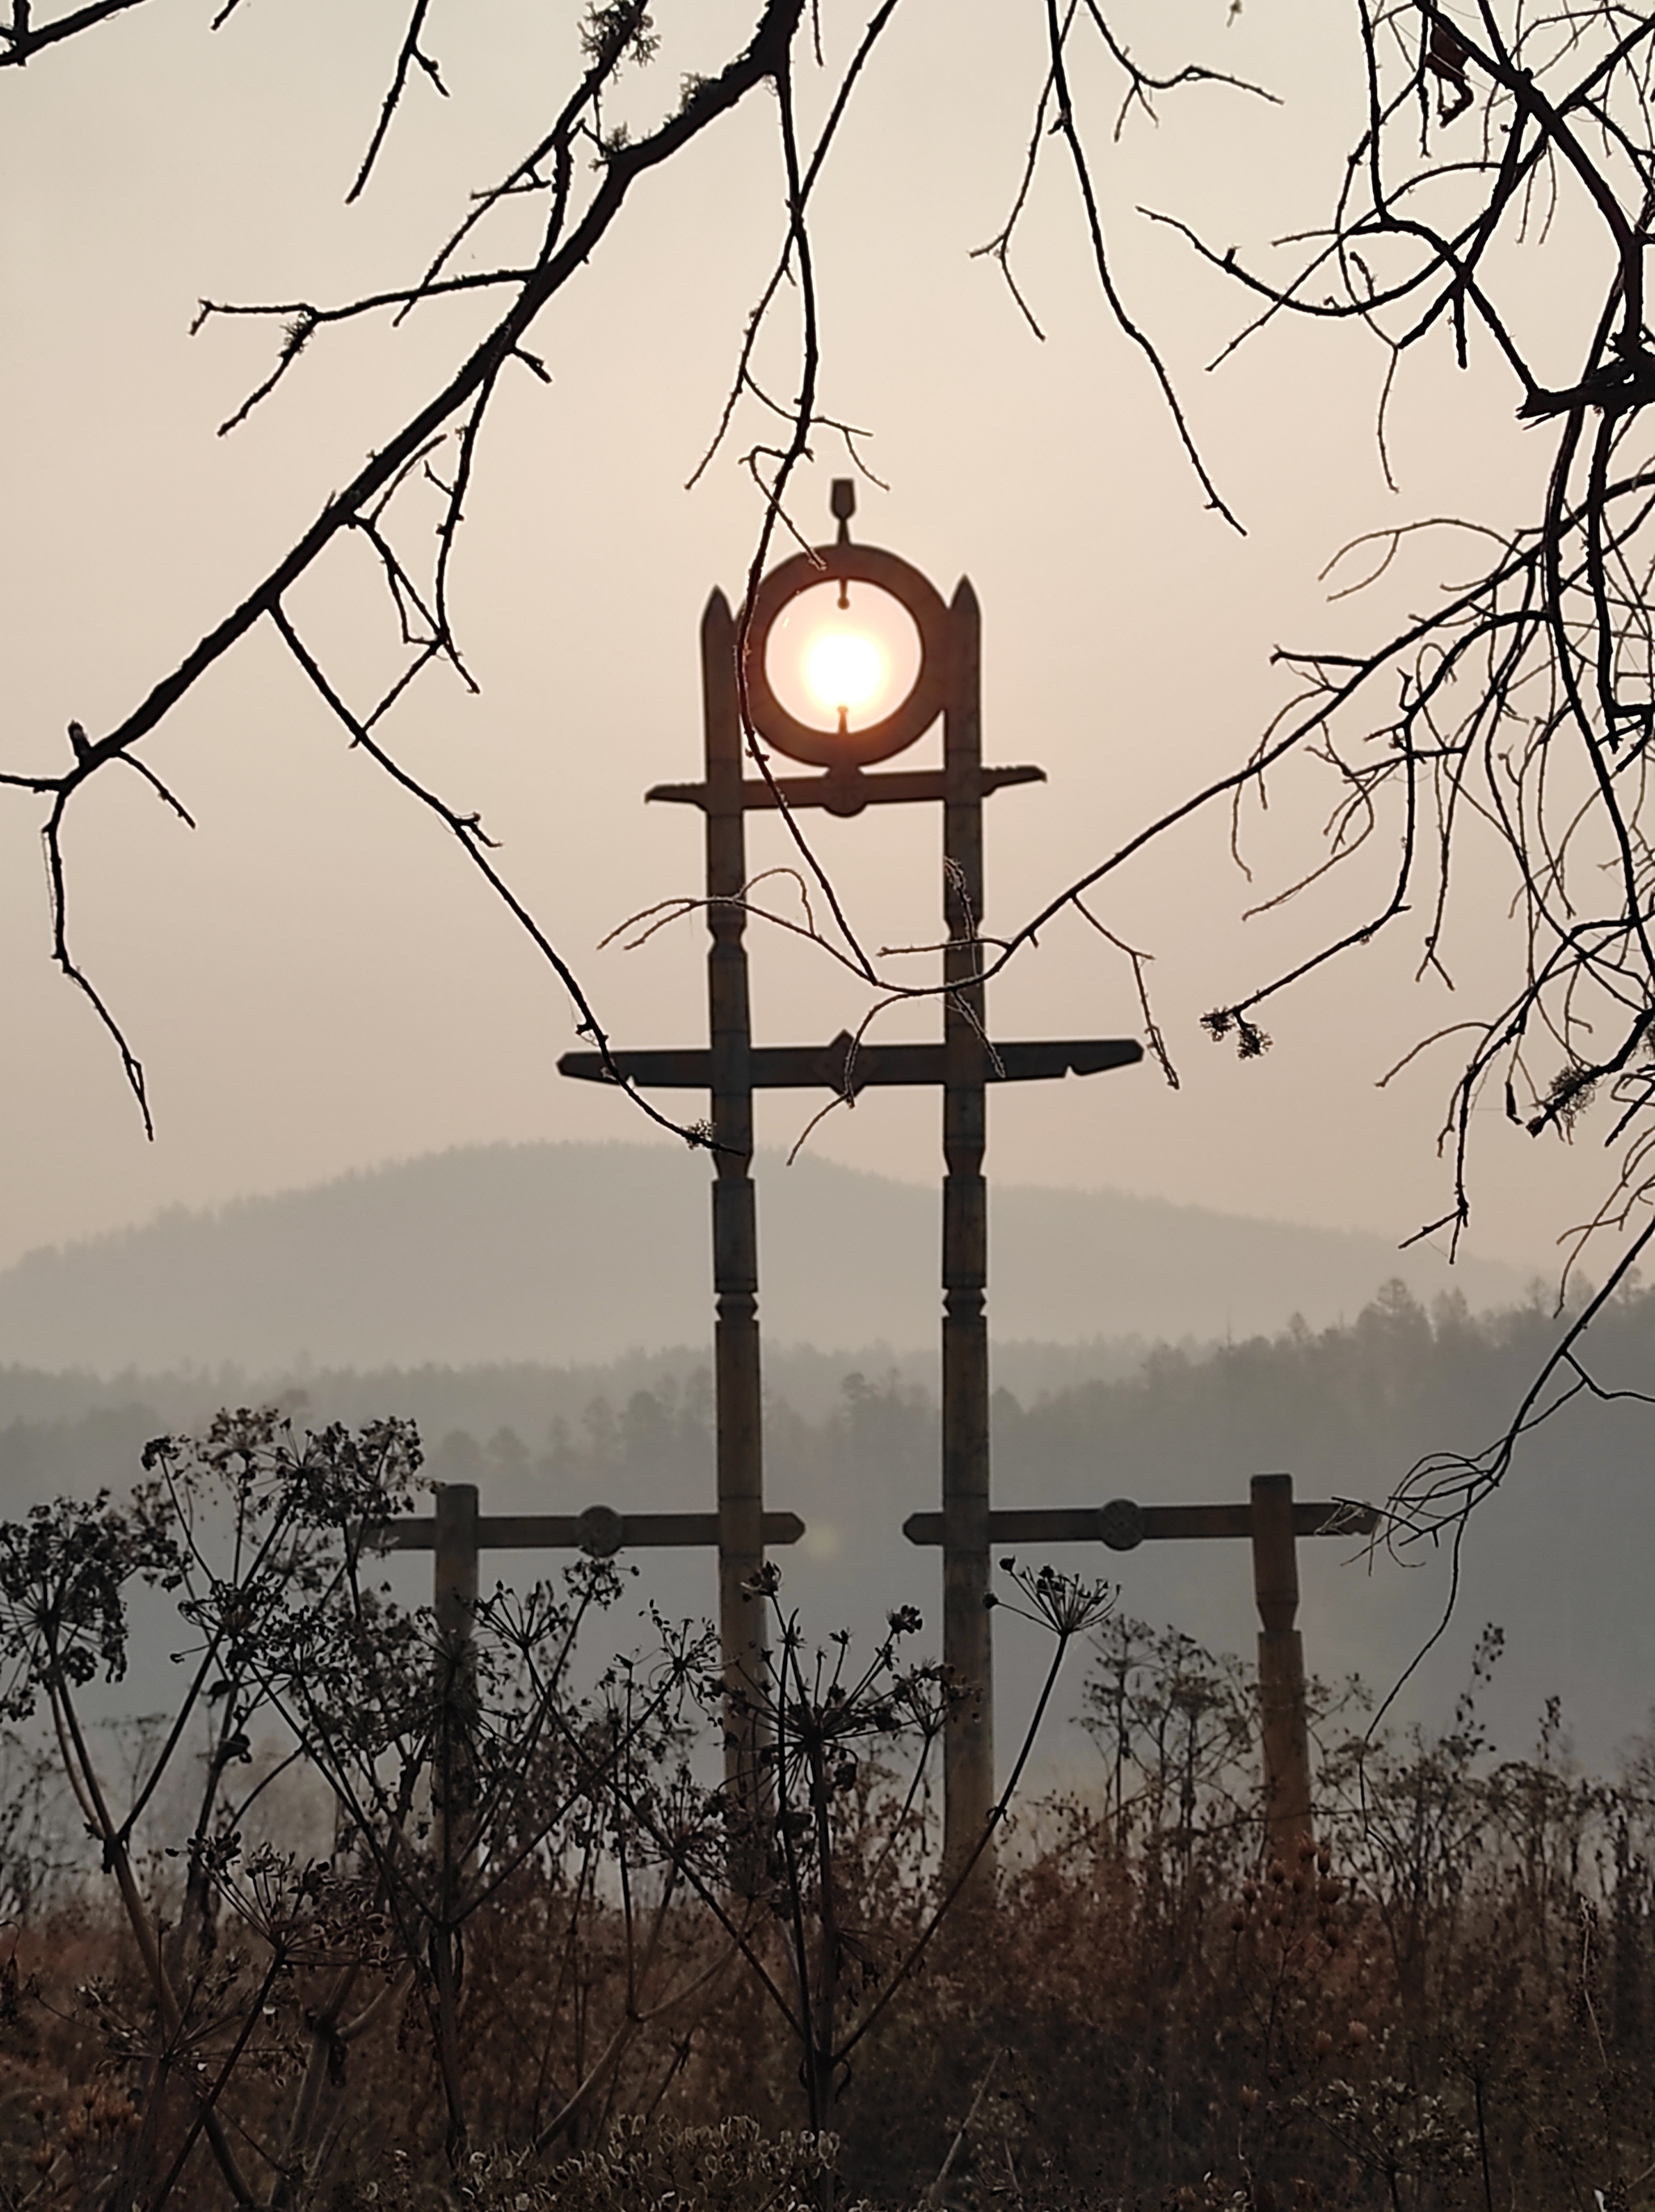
313, 980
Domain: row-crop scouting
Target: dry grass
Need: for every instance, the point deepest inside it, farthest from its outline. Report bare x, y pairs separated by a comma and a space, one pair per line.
1448, 2005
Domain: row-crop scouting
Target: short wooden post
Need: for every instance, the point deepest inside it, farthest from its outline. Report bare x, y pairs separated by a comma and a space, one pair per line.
1283, 1718
454, 1569
454, 1593
454, 1793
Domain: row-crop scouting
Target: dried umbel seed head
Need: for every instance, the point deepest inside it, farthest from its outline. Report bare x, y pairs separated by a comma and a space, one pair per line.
1307, 1851
1330, 1889
1249, 2099
1323, 2043
1238, 1921
1325, 1858
1250, 1891
1357, 2032
1278, 1873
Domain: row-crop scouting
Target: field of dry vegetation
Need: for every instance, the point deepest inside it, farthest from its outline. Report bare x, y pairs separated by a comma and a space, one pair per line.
352, 1924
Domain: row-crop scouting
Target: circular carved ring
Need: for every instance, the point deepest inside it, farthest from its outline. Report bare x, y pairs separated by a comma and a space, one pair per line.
911, 718
602, 1532
1120, 1524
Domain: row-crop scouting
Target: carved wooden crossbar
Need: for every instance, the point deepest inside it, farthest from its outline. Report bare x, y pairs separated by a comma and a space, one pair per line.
1123, 1525
599, 1531
847, 1068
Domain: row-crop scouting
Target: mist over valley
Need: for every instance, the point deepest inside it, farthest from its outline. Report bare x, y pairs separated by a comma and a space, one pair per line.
542, 1314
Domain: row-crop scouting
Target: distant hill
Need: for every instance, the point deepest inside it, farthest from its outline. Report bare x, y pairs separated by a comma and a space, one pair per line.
571, 1253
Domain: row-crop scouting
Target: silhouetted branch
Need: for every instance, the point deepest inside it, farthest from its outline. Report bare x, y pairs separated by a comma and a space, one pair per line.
467, 830
612, 35
411, 52
23, 37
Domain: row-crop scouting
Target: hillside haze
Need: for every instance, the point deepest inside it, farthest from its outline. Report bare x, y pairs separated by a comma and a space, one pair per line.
1558, 1557
581, 1252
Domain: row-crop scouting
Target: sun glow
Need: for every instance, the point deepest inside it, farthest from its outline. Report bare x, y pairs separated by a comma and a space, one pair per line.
844, 669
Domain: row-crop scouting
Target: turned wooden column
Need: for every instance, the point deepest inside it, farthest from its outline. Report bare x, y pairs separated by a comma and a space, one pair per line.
968, 1635
734, 1219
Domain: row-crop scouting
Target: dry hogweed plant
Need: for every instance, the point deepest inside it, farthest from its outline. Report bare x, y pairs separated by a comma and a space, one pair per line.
820, 1881
239, 1531
455, 1787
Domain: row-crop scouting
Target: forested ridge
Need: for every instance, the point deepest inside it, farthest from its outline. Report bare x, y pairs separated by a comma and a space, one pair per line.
1353, 1403
853, 1448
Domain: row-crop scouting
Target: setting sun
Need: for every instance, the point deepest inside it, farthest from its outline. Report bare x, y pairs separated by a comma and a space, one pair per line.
843, 669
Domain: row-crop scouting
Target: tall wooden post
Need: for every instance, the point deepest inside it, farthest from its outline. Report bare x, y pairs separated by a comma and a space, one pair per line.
734, 1220
968, 1648
1283, 1723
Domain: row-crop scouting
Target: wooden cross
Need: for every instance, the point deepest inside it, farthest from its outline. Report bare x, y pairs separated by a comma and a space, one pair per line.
1273, 1523
732, 1069
456, 1533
